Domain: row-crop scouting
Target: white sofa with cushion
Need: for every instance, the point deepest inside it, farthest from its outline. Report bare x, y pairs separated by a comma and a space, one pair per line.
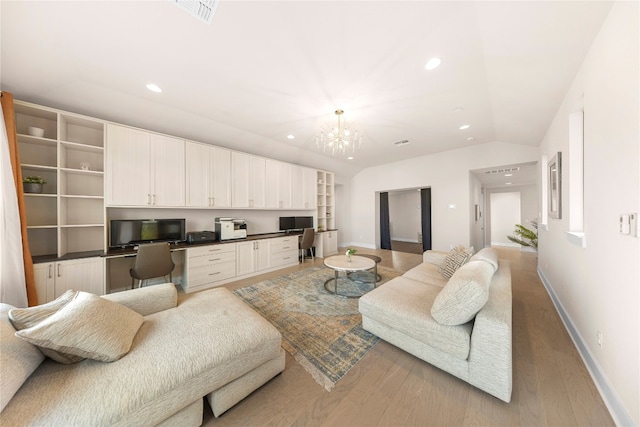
461, 325
211, 344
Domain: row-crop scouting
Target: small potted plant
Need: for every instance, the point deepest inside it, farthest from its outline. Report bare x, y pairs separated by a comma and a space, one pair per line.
33, 184
350, 252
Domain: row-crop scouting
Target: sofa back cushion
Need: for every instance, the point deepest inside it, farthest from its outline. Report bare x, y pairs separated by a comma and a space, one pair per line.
488, 255
464, 294
18, 358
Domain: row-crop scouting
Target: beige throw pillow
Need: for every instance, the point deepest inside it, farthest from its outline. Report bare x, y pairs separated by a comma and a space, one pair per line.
87, 327
464, 294
456, 257
23, 318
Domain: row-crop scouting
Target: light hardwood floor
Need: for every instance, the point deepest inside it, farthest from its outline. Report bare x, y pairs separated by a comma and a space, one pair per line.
389, 387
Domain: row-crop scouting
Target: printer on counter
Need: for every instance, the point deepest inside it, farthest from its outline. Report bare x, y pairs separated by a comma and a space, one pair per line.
230, 228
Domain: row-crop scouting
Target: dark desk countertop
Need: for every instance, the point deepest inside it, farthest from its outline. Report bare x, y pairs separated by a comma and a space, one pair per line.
174, 247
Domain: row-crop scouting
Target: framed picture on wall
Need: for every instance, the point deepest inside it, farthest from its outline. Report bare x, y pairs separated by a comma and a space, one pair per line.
554, 169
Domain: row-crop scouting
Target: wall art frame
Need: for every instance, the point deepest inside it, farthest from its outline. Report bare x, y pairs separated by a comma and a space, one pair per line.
554, 170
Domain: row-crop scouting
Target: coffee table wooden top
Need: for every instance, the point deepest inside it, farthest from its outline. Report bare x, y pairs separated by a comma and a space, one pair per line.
341, 263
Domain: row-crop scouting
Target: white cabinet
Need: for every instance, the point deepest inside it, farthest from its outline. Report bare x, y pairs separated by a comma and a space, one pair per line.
329, 243
303, 187
284, 251
144, 169
278, 184
208, 176
209, 266
54, 278
248, 180
252, 257
68, 216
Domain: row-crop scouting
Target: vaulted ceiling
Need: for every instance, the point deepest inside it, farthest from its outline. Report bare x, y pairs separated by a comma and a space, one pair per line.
263, 70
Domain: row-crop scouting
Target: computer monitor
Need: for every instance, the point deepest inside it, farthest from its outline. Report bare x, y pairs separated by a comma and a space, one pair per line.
302, 222
287, 223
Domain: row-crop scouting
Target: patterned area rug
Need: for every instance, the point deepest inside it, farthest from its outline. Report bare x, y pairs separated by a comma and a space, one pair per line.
323, 332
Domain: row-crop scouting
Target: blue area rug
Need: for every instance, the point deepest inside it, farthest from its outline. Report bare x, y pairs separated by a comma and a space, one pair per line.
322, 331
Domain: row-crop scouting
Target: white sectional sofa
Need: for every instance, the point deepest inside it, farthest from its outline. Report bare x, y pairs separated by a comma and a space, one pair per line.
211, 344
461, 325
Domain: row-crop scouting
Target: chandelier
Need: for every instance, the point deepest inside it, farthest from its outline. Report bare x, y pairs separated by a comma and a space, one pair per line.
338, 140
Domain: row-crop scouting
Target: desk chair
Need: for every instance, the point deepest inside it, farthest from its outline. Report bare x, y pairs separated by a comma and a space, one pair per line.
306, 242
152, 260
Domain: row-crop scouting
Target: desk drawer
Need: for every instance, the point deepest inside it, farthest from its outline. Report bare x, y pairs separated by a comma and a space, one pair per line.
284, 258
284, 244
203, 275
211, 250
211, 259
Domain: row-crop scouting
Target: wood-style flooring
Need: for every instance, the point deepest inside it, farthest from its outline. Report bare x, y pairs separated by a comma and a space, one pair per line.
389, 387
412, 248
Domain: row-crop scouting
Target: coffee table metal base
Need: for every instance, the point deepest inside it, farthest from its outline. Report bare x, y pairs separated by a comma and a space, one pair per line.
331, 285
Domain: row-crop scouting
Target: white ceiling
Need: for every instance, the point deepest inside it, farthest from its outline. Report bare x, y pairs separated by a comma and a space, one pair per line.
266, 69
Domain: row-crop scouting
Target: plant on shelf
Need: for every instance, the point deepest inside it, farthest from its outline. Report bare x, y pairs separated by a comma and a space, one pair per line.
525, 236
33, 184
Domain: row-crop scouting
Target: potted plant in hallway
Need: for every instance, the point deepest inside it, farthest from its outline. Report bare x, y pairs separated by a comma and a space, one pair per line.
33, 184
525, 236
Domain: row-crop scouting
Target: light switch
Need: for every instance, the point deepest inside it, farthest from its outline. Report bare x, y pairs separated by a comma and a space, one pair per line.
633, 224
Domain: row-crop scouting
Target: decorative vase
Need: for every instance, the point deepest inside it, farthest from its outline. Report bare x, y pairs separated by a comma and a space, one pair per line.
32, 187
348, 257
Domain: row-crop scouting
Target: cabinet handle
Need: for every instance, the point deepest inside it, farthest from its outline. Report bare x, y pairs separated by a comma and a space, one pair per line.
148, 198
213, 274
153, 199
58, 270
286, 257
50, 271
215, 259
285, 247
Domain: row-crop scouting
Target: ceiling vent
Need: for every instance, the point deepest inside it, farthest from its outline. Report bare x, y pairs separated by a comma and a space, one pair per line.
401, 143
201, 9
504, 170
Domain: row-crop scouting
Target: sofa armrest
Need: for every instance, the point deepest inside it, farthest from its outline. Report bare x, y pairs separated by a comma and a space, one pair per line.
147, 300
490, 356
434, 257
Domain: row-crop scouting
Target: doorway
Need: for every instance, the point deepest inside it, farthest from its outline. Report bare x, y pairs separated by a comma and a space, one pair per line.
405, 220
505, 212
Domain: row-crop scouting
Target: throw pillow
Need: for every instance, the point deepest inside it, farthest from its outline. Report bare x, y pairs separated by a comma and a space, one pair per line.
23, 318
454, 259
87, 327
464, 294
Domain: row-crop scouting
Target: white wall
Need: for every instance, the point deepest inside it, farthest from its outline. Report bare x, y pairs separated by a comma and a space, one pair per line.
505, 214
529, 195
598, 287
405, 215
446, 173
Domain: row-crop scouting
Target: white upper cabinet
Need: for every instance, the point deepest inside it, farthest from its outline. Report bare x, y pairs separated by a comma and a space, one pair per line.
208, 176
278, 184
303, 187
248, 174
144, 169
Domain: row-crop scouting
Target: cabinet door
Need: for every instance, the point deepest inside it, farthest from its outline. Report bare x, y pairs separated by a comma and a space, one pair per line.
85, 274
257, 182
245, 258
168, 171
241, 170
262, 255
284, 185
297, 187
44, 278
127, 167
309, 188
272, 169
221, 174
198, 174
330, 243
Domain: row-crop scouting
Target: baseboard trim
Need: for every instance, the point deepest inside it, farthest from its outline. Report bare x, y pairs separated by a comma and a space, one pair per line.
616, 408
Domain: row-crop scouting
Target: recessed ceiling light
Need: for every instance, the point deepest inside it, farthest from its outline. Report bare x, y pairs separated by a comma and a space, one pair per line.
291, 136
507, 183
433, 63
508, 174
470, 138
463, 127
350, 158
458, 110
154, 88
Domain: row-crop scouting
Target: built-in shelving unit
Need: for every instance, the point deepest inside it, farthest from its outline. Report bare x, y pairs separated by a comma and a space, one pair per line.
326, 201
69, 215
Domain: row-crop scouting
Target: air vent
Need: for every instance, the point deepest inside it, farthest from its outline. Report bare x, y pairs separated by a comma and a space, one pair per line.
401, 143
201, 9
504, 170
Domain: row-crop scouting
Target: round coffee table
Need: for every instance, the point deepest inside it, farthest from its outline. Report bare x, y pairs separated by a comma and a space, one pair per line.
340, 263
362, 276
